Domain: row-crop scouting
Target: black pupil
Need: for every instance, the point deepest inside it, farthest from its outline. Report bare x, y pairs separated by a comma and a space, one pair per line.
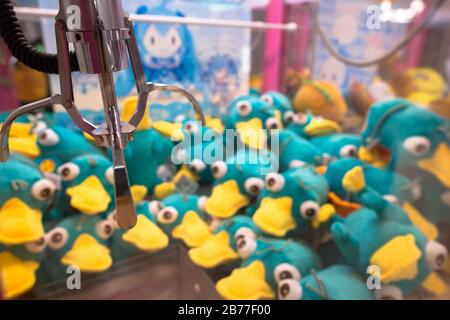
242, 244
173, 40
188, 127
243, 107
284, 290
440, 260
254, 189
45, 193
167, 215
152, 40
285, 275
108, 229
65, 172
271, 182
310, 212
274, 126
57, 237
43, 136
239, 237
420, 148
352, 152
216, 170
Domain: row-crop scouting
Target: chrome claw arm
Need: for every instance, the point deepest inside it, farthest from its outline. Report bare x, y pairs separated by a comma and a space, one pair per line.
6, 128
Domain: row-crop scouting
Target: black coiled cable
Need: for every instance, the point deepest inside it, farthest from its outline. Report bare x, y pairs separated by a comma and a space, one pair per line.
21, 48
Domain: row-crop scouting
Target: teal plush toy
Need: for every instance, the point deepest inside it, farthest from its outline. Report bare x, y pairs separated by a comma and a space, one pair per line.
295, 201
81, 241
86, 186
280, 103
398, 254
380, 190
144, 155
338, 282
338, 145
238, 181
294, 151
266, 263
307, 125
418, 144
182, 216
222, 247
59, 145
25, 195
18, 266
146, 236
250, 115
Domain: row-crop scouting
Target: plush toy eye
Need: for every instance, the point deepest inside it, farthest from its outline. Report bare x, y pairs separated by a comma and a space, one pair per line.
296, 164
267, 99
388, 292
155, 206
167, 215
289, 290
309, 210
436, 255
105, 229
300, 118
274, 182
391, 198
57, 238
68, 171
109, 175
191, 127
197, 166
43, 190
244, 108
48, 138
180, 118
289, 116
164, 173
349, 150
201, 202
254, 185
286, 271
243, 233
219, 169
37, 246
417, 146
245, 247
273, 124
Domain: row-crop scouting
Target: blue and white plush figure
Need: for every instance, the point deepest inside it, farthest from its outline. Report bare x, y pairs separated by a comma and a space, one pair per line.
167, 51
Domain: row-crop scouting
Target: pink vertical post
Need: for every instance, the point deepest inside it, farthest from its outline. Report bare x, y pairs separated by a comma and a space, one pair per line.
415, 47
273, 46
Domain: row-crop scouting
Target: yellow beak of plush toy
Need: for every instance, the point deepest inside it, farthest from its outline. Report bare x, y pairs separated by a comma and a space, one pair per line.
90, 197
226, 200
146, 235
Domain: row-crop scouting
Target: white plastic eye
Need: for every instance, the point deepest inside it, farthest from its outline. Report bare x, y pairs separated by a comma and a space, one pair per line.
289, 116
109, 175
191, 127
105, 229
48, 138
309, 209
289, 290
273, 124
244, 108
219, 169
112, 217
197, 166
164, 173
267, 99
68, 171
391, 198
167, 215
300, 118
417, 146
201, 202
274, 182
296, 164
57, 238
286, 271
155, 207
37, 246
348, 151
436, 255
254, 185
388, 292
243, 233
43, 190
245, 247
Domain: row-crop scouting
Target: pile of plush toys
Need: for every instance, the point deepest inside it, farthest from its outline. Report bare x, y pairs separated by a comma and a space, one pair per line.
323, 215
